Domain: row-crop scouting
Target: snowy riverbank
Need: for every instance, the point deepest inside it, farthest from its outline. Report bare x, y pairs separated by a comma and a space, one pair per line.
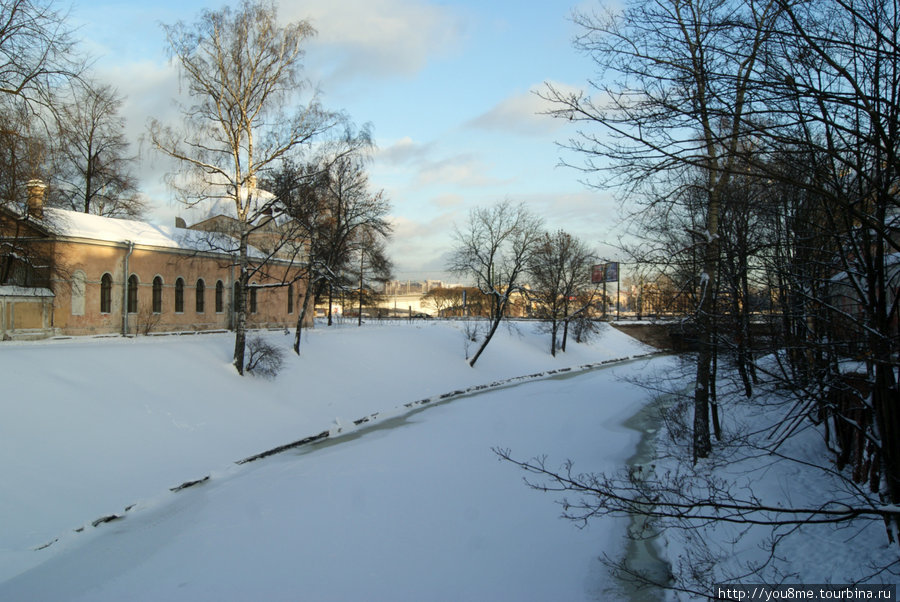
113, 424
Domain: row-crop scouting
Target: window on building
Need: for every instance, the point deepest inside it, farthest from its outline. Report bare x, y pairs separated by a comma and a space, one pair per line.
157, 295
290, 298
220, 297
201, 296
78, 285
179, 296
132, 294
105, 294
253, 298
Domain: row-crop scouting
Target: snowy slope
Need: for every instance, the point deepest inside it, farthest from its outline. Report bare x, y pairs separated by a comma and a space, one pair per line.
95, 425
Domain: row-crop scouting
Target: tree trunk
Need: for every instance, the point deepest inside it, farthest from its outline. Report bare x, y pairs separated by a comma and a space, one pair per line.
885, 401
713, 395
885, 393
359, 317
307, 296
240, 306
740, 319
487, 339
702, 445
745, 326
330, 303
554, 328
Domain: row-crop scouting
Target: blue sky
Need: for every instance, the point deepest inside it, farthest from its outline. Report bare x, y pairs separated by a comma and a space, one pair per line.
447, 87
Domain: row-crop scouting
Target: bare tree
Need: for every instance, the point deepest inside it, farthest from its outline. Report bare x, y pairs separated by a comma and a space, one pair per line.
494, 249
37, 57
329, 207
805, 176
25, 151
93, 168
458, 301
681, 87
371, 268
242, 71
444, 300
560, 269
835, 79
299, 188
37, 50
352, 214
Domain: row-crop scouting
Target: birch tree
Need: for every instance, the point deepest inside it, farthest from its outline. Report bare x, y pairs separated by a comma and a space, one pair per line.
243, 74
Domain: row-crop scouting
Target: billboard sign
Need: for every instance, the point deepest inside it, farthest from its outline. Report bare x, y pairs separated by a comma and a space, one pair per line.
605, 272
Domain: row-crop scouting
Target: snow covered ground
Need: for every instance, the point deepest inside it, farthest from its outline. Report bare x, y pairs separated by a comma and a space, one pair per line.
752, 463
413, 506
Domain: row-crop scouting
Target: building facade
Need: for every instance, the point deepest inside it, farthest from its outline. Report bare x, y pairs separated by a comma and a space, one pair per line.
69, 273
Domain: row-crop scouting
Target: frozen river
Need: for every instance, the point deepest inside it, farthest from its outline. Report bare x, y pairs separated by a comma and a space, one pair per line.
416, 508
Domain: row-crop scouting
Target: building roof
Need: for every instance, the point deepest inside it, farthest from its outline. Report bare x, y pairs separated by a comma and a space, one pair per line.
261, 207
74, 224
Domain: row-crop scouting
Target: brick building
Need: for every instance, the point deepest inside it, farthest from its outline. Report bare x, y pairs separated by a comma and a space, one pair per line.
64, 272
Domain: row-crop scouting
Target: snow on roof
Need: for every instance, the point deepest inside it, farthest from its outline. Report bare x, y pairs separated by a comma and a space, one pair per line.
260, 201
94, 227
11, 290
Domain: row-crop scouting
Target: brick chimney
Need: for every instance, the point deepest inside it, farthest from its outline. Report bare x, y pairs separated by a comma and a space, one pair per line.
34, 206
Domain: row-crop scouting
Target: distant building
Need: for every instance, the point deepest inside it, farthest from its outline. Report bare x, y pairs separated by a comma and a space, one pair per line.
414, 287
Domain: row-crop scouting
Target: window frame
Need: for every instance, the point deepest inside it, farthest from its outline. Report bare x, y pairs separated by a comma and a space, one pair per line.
131, 302
156, 301
200, 296
179, 295
106, 293
220, 297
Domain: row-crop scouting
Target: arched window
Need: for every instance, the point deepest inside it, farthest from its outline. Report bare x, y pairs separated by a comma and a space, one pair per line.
105, 294
201, 296
220, 297
78, 284
157, 295
290, 298
132, 294
253, 298
179, 296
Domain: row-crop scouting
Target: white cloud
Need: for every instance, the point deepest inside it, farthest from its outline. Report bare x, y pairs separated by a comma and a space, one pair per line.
448, 201
377, 38
402, 152
149, 89
460, 170
421, 169
523, 113
419, 247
